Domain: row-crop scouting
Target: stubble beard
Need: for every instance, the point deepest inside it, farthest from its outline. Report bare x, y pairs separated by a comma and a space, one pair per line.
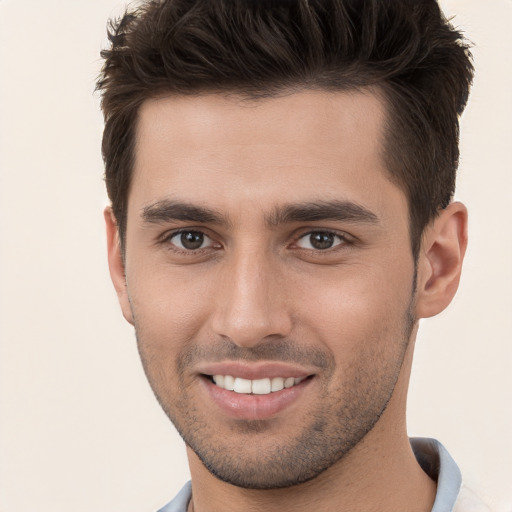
340, 420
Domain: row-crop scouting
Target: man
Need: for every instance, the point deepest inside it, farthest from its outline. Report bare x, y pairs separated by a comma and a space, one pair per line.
281, 177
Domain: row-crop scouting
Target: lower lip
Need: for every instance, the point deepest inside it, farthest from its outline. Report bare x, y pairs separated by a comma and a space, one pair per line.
254, 407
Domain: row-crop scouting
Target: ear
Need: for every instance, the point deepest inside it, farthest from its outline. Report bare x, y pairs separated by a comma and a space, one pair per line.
440, 260
116, 263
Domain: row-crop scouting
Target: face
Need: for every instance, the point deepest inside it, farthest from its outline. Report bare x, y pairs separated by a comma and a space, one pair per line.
269, 277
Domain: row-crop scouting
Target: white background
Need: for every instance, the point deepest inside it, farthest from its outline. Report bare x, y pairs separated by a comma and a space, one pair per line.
80, 429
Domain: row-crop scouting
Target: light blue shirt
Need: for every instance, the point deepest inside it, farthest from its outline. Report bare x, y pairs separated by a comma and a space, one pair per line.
432, 457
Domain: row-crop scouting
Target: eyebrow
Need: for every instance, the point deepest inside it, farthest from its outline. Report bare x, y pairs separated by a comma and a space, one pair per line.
169, 210
322, 210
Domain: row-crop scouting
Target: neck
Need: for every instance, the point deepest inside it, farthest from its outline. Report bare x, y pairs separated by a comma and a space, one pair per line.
367, 480
379, 474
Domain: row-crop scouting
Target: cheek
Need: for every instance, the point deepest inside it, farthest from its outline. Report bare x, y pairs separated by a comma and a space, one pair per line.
169, 307
359, 309
168, 312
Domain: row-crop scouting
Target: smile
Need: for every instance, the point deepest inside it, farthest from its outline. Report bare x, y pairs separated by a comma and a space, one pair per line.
261, 390
255, 387
254, 399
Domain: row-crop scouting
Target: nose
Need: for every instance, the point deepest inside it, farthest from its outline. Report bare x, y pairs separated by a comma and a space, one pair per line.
251, 305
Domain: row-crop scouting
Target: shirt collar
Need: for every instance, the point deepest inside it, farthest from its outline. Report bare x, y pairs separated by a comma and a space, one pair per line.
435, 460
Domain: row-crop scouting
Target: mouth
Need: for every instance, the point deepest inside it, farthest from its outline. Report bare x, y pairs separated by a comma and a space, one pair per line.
255, 392
263, 386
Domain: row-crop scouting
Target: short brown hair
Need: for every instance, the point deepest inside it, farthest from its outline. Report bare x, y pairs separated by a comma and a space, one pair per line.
259, 48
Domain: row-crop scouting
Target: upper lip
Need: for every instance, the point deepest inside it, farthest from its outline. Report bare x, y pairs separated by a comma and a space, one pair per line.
253, 371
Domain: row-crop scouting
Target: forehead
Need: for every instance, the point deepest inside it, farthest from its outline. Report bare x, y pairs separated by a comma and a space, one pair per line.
315, 111
223, 149
319, 118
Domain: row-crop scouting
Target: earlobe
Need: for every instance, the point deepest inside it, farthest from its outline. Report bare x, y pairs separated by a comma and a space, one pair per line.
116, 263
440, 260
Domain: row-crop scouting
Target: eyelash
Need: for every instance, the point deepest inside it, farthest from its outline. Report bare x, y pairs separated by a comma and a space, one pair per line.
166, 239
345, 240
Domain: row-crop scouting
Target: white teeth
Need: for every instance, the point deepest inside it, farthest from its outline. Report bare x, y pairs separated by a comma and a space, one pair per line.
219, 380
229, 382
256, 387
261, 387
242, 385
277, 384
289, 382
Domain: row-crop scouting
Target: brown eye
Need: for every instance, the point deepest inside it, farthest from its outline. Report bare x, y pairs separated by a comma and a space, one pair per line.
190, 240
320, 240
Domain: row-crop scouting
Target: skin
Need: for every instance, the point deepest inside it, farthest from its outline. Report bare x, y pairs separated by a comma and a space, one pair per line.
256, 290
